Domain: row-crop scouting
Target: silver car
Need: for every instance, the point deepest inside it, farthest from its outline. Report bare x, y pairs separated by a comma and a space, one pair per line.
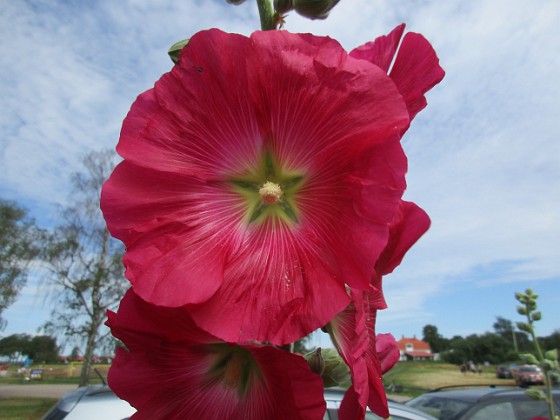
99, 402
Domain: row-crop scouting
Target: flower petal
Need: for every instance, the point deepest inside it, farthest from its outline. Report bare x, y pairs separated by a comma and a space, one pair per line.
332, 120
416, 67
416, 71
410, 223
387, 351
174, 370
381, 51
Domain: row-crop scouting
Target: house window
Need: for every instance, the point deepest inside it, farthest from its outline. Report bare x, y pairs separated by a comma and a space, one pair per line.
409, 346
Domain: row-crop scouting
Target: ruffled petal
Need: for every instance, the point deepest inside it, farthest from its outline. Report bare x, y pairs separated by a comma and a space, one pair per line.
353, 333
231, 102
387, 351
409, 224
416, 67
174, 370
382, 50
416, 71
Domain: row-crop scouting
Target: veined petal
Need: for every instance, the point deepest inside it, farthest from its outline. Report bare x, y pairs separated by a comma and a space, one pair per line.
409, 224
174, 370
185, 200
387, 351
416, 67
382, 50
353, 330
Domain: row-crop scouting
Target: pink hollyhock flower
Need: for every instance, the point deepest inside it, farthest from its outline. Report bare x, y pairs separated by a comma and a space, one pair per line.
171, 369
259, 178
353, 330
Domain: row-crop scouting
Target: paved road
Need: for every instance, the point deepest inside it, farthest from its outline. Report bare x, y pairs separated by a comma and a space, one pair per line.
35, 391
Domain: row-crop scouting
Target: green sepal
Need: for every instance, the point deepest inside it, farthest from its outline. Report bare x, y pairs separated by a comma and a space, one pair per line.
535, 394
529, 359
523, 326
336, 372
283, 6
551, 355
548, 365
316, 361
175, 50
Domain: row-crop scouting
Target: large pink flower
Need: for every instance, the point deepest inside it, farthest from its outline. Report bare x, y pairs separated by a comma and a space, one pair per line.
259, 177
172, 369
353, 330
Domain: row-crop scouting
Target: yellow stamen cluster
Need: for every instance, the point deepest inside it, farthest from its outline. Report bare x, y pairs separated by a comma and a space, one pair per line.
270, 193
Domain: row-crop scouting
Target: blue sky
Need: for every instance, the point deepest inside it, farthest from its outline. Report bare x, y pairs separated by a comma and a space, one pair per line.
484, 156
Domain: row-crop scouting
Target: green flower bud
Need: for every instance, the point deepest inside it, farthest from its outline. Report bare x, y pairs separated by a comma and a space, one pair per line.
551, 355
336, 371
548, 365
236, 2
316, 361
536, 316
524, 327
529, 359
535, 394
521, 310
518, 296
314, 9
283, 6
175, 50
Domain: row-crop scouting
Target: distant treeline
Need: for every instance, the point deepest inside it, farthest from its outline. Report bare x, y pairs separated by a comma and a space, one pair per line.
503, 345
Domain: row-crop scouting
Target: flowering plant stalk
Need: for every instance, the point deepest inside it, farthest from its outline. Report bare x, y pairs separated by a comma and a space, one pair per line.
260, 199
547, 361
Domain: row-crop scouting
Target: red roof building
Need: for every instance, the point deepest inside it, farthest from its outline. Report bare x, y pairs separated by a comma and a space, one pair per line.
414, 349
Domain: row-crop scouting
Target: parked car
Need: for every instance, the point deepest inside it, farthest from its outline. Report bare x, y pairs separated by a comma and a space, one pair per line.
398, 411
503, 372
92, 402
483, 404
529, 375
99, 402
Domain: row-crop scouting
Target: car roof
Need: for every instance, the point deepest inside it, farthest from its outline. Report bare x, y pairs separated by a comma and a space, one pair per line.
476, 394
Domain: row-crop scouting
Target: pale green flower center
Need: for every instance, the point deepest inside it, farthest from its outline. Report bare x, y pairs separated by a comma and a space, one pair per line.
270, 193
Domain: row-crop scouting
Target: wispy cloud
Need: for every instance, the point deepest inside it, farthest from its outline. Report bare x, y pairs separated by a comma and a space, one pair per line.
484, 157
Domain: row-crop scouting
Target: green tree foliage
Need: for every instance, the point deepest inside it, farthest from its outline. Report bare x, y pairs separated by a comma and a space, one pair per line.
436, 341
506, 328
487, 347
41, 348
85, 264
18, 247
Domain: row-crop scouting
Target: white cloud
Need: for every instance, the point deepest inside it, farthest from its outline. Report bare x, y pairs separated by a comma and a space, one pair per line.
484, 156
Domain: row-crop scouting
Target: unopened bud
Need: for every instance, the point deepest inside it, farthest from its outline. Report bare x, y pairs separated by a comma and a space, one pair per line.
336, 371
283, 6
521, 310
316, 361
524, 327
535, 394
528, 359
551, 355
175, 50
314, 9
236, 2
536, 316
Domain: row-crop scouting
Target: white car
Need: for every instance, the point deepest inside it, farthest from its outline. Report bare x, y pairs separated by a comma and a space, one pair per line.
99, 402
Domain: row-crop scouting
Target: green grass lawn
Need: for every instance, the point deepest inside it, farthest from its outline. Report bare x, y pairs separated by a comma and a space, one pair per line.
418, 377
24, 408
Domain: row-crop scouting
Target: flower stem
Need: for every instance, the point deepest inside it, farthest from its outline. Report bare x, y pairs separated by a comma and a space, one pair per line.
266, 14
540, 357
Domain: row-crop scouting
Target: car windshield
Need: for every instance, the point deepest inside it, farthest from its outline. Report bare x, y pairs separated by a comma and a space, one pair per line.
441, 408
529, 369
